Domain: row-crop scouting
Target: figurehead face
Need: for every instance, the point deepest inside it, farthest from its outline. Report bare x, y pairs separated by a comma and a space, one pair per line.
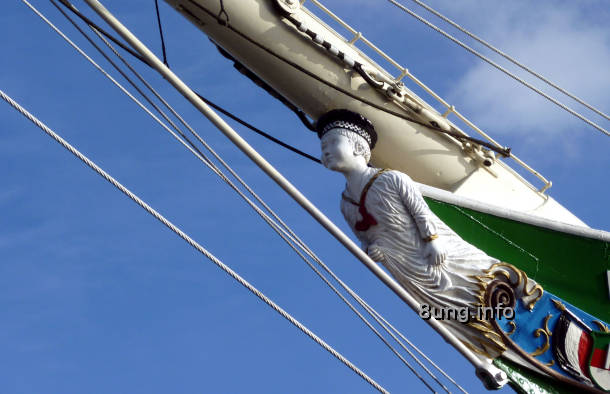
343, 149
346, 139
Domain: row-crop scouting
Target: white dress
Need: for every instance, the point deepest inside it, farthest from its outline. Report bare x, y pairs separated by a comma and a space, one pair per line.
403, 221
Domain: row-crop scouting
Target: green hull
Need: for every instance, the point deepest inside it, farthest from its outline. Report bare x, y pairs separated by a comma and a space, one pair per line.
527, 382
573, 267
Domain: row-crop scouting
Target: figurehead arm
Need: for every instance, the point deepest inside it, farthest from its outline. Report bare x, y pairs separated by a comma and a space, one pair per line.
416, 206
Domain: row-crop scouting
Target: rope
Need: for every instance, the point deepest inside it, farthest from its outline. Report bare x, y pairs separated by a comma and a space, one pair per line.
510, 59
222, 11
386, 325
288, 238
108, 35
161, 33
258, 131
189, 240
97, 28
497, 66
506, 152
192, 148
380, 320
285, 233
503, 151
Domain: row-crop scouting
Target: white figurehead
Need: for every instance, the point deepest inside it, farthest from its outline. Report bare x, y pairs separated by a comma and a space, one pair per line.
346, 140
387, 212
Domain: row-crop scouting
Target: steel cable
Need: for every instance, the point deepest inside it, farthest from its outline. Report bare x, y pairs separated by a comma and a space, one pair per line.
291, 236
510, 59
274, 225
190, 241
497, 66
98, 29
161, 33
281, 230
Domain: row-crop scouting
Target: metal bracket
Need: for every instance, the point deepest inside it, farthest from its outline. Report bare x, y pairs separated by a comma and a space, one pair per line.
288, 7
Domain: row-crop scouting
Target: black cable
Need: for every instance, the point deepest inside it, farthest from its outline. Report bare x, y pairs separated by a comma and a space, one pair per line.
266, 87
506, 152
503, 151
161, 33
256, 130
116, 67
68, 5
222, 11
88, 21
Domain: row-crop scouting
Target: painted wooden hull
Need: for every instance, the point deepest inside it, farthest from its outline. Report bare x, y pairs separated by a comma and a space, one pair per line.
571, 265
283, 57
426, 155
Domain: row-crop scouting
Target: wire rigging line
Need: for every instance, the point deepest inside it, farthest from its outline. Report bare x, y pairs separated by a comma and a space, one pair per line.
193, 146
382, 323
387, 326
195, 150
92, 24
291, 239
190, 241
161, 33
460, 137
510, 59
267, 219
108, 35
497, 66
114, 81
257, 130
285, 233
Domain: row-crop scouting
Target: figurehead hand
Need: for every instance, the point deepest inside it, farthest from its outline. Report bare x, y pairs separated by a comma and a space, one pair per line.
435, 251
375, 253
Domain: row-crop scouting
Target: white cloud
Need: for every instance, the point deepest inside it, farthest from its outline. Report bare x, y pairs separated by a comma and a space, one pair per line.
561, 43
567, 42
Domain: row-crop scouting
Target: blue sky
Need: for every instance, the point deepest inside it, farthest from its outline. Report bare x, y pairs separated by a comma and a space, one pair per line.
98, 297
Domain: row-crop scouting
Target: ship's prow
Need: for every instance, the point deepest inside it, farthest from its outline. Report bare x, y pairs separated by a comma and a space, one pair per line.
299, 68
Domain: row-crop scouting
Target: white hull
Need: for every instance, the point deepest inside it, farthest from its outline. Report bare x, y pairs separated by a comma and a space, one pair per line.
426, 155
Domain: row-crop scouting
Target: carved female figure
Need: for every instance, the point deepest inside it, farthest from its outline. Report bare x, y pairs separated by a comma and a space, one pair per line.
387, 213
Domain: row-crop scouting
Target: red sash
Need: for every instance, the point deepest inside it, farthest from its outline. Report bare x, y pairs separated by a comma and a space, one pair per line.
367, 219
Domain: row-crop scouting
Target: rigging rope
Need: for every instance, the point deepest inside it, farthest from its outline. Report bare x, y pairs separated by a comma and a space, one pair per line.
283, 233
108, 35
161, 33
497, 66
116, 83
503, 151
257, 130
288, 238
385, 324
510, 59
136, 55
189, 240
